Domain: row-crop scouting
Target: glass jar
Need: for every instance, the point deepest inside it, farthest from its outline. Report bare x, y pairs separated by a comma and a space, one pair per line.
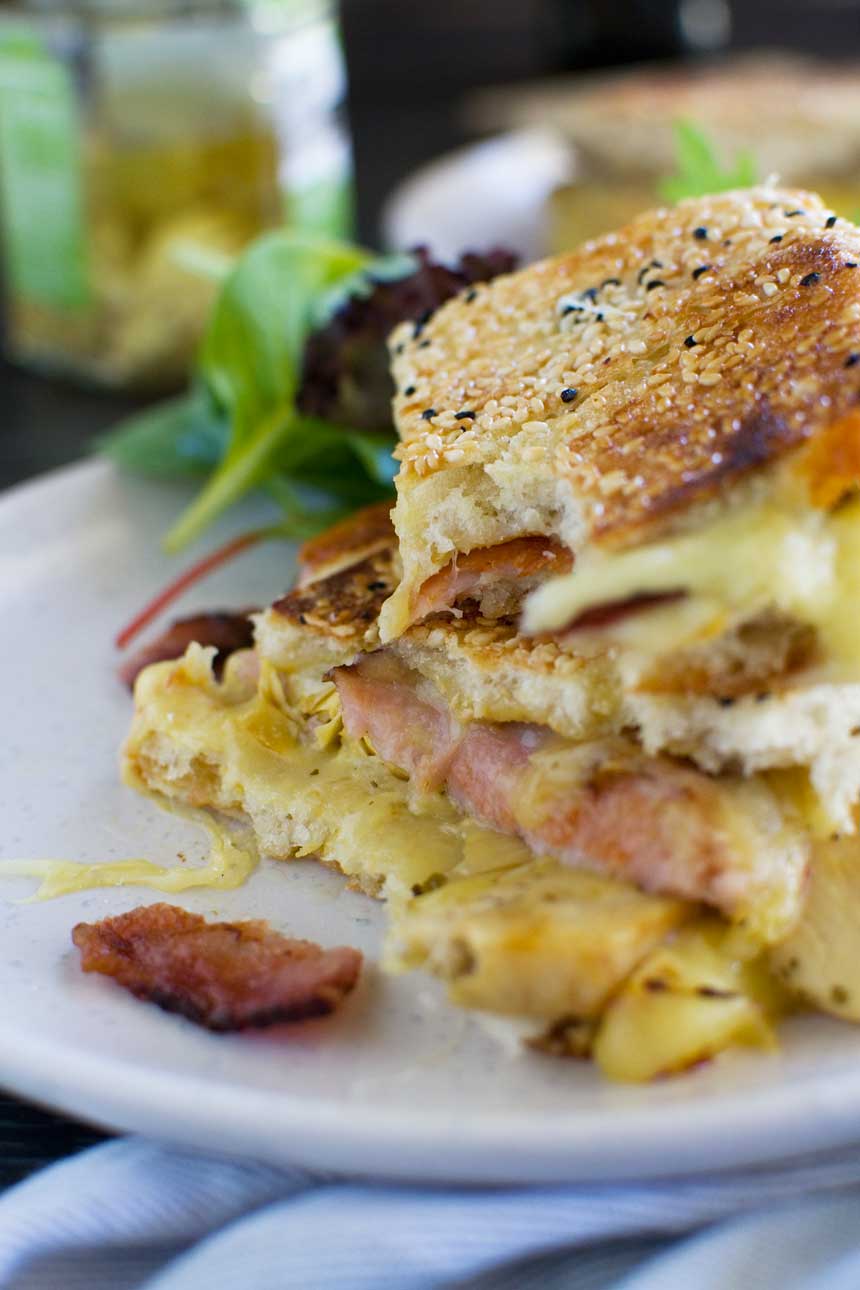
142, 144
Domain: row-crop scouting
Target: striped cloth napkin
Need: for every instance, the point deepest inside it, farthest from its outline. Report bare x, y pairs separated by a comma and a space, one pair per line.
136, 1215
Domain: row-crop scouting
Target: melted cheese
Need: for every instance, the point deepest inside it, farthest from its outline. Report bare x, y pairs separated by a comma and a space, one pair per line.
331, 798
802, 561
507, 931
230, 864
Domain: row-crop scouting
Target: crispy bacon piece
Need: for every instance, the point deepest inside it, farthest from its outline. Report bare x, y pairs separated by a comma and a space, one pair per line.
227, 631
615, 611
224, 976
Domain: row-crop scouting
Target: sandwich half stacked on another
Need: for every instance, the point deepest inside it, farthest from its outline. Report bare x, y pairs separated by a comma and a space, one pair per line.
588, 713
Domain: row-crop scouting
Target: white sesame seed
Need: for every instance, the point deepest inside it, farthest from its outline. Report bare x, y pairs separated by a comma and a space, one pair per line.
770, 288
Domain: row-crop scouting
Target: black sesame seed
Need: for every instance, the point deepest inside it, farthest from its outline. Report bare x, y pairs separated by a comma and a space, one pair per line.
850, 264
762, 696
830, 221
611, 282
851, 360
656, 264
777, 237
690, 342
568, 395
725, 701
428, 414
398, 349
464, 416
410, 390
810, 279
421, 322
470, 296
655, 282
377, 586
598, 317
590, 294
791, 214
424, 344
700, 233
641, 274
703, 268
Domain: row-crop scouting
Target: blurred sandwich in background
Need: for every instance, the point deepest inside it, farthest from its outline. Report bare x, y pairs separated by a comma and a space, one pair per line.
797, 118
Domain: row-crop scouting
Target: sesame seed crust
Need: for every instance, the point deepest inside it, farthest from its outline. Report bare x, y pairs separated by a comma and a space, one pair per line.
657, 425
485, 669
344, 605
363, 533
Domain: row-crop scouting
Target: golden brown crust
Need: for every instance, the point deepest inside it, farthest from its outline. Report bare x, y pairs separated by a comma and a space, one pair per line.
344, 605
360, 535
648, 370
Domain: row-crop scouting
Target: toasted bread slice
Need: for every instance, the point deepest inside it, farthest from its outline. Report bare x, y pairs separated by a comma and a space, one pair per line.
607, 396
744, 701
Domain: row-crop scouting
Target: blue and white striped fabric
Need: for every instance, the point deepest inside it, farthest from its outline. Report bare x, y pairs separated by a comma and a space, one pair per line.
135, 1215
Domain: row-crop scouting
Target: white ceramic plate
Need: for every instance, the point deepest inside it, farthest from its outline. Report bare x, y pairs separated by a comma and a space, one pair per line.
489, 193
398, 1084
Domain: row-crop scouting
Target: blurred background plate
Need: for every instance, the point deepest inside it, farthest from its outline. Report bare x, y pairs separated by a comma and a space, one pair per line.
495, 192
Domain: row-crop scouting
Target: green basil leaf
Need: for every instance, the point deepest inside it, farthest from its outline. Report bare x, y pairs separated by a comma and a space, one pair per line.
699, 170
251, 359
252, 352
384, 268
374, 453
183, 436
303, 518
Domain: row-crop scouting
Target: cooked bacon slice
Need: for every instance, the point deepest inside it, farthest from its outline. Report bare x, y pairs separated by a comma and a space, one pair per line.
615, 611
380, 703
506, 571
604, 805
224, 976
227, 631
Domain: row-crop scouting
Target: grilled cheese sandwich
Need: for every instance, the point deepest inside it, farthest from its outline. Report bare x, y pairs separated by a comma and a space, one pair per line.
586, 715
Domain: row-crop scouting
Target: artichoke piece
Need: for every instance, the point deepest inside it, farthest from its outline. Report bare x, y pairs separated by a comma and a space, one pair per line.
535, 940
685, 1003
820, 959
